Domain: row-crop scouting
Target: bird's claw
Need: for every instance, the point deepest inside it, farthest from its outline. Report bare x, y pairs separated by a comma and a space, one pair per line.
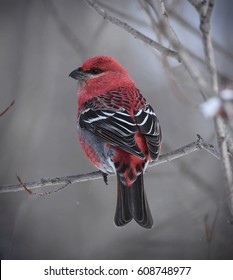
105, 177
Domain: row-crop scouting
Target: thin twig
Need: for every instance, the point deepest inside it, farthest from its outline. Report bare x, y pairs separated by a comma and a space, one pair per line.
159, 7
64, 28
199, 144
164, 59
23, 184
210, 229
137, 34
41, 193
185, 23
171, 9
149, 7
192, 29
222, 77
12, 103
183, 54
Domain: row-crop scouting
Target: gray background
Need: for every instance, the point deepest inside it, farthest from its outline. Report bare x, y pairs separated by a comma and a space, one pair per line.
41, 43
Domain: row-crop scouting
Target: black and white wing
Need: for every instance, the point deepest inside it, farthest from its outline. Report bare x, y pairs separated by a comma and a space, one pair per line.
149, 126
114, 126
117, 127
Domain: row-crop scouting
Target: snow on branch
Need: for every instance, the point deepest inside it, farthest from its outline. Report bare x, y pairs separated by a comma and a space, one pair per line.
221, 105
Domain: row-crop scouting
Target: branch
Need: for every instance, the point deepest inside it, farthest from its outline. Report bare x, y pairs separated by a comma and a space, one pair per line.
160, 10
183, 54
2, 113
223, 78
223, 147
205, 17
205, 11
137, 34
65, 30
199, 144
183, 22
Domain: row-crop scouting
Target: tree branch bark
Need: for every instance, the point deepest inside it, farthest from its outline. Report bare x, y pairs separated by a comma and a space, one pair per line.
199, 144
205, 12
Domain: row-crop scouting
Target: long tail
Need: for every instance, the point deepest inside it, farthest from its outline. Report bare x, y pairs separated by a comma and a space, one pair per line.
132, 204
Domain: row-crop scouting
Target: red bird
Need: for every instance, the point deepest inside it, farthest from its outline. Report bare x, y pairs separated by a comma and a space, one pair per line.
118, 131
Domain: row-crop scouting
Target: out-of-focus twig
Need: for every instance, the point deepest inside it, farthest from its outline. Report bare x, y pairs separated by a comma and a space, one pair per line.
65, 30
224, 79
137, 34
192, 29
210, 229
156, 26
3, 112
184, 57
199, 144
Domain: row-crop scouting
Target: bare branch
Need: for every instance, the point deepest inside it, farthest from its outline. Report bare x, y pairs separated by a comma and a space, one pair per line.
199, 144
210, 7
137, 34
160, 10
198, 5
177, 17
183, 54
223, 78
52, 182
156, 26
204, 9
208, 46
2, 113
222, 142
205, 12
185, 150
41, 193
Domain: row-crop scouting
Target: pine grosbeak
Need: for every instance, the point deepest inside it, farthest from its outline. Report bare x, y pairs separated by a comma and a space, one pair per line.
118, 131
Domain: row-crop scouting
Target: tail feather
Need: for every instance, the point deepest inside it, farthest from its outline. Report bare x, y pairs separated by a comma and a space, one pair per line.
132, 204
123, 214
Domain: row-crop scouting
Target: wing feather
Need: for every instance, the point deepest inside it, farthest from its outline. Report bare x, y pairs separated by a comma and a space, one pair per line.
107, 117
149, 125
115, 127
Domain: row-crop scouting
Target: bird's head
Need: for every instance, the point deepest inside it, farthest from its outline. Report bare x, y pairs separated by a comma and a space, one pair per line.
98, 75
98, 66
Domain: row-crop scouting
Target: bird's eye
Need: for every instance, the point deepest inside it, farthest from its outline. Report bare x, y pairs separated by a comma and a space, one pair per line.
95, 71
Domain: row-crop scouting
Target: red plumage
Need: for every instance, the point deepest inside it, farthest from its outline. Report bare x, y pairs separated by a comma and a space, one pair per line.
118, 131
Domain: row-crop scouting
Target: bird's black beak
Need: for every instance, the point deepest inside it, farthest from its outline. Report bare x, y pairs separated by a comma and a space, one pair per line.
77, 74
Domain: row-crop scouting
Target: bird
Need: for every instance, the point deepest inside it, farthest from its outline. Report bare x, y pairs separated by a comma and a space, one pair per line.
119, 133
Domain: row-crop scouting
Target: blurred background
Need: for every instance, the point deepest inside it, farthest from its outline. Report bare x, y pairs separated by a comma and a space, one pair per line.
42, 41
